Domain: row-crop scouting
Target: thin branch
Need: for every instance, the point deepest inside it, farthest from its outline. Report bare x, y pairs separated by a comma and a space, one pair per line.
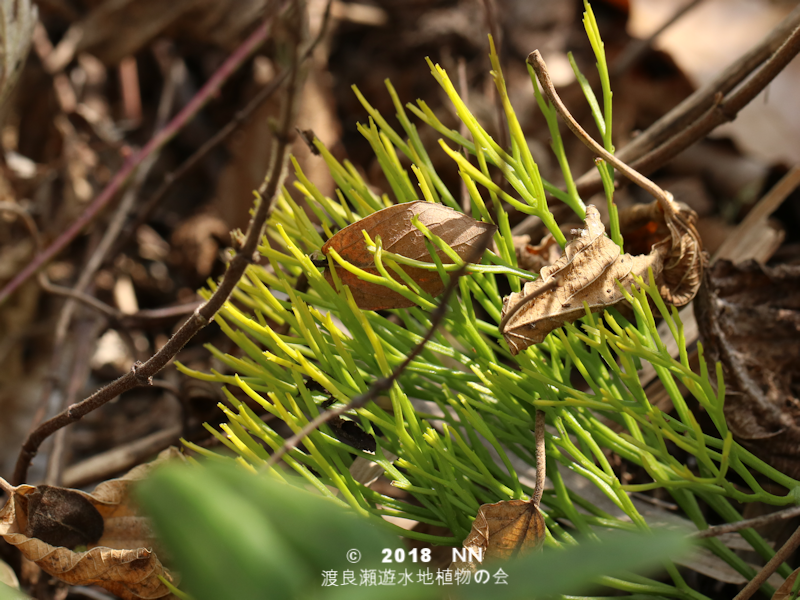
539, 66
102, 466
142, 373
776, 561
716, 530
106, 310
206, 93
723, 110
6, 487
26, 217
693, 107
541, 459
385, 383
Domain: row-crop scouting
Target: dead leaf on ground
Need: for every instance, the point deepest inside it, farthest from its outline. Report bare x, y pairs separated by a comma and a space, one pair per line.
44, 523
534, 258
504, 530
749, 319
591, 266
588, 272
398, 235
646, 226
785, 591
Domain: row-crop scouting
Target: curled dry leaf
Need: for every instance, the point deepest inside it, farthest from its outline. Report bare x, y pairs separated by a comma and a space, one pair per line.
503, 530
587, 272
534, 258
749, 319
398, 235
44, 523
672, 232
592, 264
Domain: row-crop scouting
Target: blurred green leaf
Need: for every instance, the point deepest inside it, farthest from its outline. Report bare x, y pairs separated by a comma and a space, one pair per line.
573, 569
236, 534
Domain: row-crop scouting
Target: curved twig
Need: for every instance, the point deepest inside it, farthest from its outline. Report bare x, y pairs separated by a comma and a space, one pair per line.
776, 561
142, 373
664, 198
781, 515
660, 141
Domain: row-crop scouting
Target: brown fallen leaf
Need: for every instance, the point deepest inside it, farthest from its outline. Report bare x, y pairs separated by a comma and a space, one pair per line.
44, 523
503, 530
398, 235
785, 591
749, 319
533, 258
647, 226
587, 272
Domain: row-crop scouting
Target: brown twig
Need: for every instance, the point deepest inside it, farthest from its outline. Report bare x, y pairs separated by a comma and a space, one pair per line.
6, 487
26, 217
776, 561
663, 131
233, 62
716, 530
142, 373
385, 383
536, 61
541, 459
102, 466
724, 109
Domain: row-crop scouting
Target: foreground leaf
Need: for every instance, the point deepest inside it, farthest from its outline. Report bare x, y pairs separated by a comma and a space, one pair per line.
571, 570
398, 235
261, 537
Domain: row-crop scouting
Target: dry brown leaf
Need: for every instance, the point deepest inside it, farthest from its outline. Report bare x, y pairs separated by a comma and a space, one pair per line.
587, 272
646, 226
45, 522
533, 258
749, 319
785, 591
504, 530
398, 235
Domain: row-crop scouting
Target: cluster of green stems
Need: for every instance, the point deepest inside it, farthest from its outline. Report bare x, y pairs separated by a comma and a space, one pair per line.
303, 348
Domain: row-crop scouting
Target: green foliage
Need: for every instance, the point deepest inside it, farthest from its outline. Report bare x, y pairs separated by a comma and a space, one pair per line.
301, 348
236, 535
260, 537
